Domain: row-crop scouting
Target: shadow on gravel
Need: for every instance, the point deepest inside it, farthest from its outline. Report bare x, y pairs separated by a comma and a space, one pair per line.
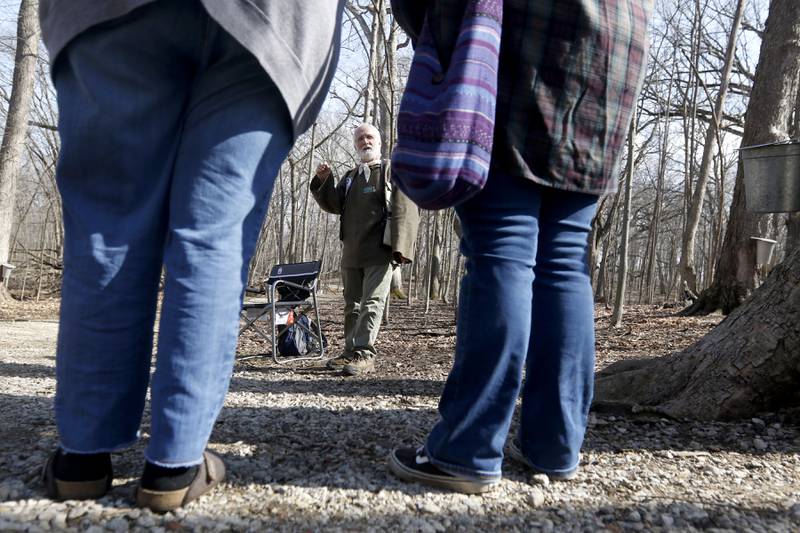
17, 370
313, 448
336, 386
347, 448
468, 513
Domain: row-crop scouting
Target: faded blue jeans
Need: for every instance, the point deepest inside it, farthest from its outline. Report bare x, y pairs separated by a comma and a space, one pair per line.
525, 303
171, 137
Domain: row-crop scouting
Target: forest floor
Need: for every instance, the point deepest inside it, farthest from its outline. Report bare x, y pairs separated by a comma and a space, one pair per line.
306, 448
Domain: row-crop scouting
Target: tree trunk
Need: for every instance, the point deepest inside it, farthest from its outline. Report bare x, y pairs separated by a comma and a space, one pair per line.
767, 120
41, 255
690, 112
282, 217
687, 266
386, 89
372, 73
16, 129
292, 253
619, 303
310, 173
600, 295
729, 373
793, 219
435, 283
391, 65
792, 232
655, 222
447, 270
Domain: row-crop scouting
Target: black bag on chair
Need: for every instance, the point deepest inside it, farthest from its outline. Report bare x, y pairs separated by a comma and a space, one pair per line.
296, 339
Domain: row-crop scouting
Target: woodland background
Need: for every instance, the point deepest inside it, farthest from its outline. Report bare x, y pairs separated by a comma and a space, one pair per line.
721, 74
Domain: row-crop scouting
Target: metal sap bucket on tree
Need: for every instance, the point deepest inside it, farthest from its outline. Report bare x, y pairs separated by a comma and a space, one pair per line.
772, 176
764, 249
771, 184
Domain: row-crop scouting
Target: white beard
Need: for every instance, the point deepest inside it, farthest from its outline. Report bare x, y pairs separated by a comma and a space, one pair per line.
368, 154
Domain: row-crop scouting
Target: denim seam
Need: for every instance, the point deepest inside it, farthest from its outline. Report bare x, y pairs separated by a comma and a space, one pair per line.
555, 471
552, 471
111, 449
174, 465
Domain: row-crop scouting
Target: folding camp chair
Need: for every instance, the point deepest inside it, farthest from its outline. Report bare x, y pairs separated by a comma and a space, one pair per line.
287, 291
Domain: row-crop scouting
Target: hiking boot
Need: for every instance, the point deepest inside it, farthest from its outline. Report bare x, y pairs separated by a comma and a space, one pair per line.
209, 474
360, 363
338, 362
515, 452
84, 477
413, 465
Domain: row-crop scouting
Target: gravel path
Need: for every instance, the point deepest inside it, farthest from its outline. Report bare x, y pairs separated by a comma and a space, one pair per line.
306, 450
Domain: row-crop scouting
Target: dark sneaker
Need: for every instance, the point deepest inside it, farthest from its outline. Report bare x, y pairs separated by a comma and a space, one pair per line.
360, 363
338, 362
411, 464
515, 452
76, 486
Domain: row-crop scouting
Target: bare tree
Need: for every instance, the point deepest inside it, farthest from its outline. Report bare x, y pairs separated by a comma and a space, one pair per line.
767, 119
732, 372
16, 129
619, 303
687, 265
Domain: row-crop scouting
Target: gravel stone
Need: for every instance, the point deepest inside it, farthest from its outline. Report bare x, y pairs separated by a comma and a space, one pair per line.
429, 507
541, 479
118, 525
536, 497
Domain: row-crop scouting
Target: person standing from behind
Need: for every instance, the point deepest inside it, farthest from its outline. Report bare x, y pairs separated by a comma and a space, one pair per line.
174, 117
568, 79
378, 229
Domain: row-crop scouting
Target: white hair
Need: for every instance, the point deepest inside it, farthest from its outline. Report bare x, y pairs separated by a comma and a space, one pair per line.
366, 125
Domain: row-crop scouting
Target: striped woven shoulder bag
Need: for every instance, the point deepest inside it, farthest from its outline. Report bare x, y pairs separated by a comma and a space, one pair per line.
445, 125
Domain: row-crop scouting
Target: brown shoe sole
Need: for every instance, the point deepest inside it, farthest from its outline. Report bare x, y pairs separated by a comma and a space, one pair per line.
209, 475
57, 489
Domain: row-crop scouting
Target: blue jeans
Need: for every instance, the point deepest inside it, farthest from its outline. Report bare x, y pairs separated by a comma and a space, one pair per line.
526, 302
172, 135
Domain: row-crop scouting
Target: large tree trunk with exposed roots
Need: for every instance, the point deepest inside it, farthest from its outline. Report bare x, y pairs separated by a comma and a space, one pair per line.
749, 363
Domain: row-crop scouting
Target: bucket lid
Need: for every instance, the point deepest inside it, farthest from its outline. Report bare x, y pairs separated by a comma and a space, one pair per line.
776, 143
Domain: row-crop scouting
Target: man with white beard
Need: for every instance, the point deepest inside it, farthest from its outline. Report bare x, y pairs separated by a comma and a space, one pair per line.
378, 229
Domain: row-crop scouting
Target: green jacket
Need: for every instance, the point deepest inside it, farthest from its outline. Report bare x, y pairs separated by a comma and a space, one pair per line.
401, 214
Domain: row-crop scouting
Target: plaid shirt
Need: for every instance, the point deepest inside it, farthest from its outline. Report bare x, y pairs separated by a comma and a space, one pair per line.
570, 73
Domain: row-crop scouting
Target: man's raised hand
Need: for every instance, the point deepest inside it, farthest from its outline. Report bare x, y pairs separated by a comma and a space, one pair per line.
323, 171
